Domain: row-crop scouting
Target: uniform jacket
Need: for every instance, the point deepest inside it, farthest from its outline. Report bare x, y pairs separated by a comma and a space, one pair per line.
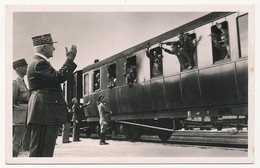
20, 101
47, 105
78, 113
104, 113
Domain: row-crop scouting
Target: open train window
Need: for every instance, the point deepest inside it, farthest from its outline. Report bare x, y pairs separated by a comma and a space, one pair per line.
156, 61
111, 75
189, 42
130, 70
242, 26
220, 41
86, 84
96, 77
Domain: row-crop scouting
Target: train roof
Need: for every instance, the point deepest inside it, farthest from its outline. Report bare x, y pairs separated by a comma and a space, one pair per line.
165, 36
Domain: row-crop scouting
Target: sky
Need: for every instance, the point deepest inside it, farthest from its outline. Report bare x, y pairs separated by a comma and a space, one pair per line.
97, 35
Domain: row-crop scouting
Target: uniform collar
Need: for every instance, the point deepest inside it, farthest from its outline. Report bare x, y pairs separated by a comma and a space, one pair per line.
18, 78
42, 56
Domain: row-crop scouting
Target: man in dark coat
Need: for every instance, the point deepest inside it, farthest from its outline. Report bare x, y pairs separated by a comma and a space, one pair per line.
47, 108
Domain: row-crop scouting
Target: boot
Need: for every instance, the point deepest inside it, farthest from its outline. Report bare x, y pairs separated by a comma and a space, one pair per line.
102, 139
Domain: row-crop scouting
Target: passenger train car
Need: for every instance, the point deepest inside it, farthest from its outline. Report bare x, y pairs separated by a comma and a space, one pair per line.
215, 89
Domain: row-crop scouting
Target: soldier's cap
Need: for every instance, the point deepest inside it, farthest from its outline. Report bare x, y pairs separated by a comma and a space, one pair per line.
43, 39
100, 98
19, 63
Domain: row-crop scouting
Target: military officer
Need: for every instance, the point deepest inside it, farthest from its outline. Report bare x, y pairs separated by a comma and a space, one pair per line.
47, 109
104, 113
20, 104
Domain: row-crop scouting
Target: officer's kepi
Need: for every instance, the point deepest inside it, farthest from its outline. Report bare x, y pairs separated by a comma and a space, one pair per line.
42, 39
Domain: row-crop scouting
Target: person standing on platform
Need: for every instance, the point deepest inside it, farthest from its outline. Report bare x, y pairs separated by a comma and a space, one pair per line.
47, 108
21, 134
78, 116
66, 128
104, 117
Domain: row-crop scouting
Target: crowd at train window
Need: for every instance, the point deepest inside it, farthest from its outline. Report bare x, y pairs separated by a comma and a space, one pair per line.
156, 63
220, 41
111, 76
184, 48
130, 70
96, 80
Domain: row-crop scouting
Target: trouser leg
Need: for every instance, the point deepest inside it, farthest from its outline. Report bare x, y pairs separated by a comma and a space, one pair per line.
18, 131
26, 138
65, 132
43, 140
76, 131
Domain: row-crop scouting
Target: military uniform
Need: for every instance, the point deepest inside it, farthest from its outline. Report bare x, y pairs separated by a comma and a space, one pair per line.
78, 116
20, 104
104, 118
47, 109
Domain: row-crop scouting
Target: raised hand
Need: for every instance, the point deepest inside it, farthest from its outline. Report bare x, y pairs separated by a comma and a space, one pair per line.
71, 54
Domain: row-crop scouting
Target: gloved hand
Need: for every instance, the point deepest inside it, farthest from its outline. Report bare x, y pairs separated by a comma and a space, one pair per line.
72, 53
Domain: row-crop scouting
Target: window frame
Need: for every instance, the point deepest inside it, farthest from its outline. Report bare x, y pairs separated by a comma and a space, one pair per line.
238, 35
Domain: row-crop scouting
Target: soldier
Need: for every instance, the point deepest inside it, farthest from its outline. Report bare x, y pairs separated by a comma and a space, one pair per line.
104, 113
21, 134
47, 108
180, 53
78, 116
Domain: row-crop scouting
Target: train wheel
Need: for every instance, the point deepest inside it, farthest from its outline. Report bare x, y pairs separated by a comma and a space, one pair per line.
239, 127
219, 127
131, 133
164, 136
165, 123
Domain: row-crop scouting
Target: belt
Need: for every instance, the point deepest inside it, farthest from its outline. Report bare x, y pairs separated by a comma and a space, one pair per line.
47, 90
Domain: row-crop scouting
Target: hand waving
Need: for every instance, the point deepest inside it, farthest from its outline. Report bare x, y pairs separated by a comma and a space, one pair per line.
71, 54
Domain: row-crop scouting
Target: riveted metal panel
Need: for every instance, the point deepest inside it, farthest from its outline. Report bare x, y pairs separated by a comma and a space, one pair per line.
173, 92
133, 103
144, 96
190, 89
157, 94
242, 80
112, 99
218, 85
122, 99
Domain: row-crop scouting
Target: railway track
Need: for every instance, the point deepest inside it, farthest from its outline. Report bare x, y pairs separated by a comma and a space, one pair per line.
196, 137
227, 139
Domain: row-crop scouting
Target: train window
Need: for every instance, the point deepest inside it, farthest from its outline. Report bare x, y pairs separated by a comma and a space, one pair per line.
220, 41
86, 84
130, 70
242, 25
111, 75
156, 63
188, 43
96, 77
